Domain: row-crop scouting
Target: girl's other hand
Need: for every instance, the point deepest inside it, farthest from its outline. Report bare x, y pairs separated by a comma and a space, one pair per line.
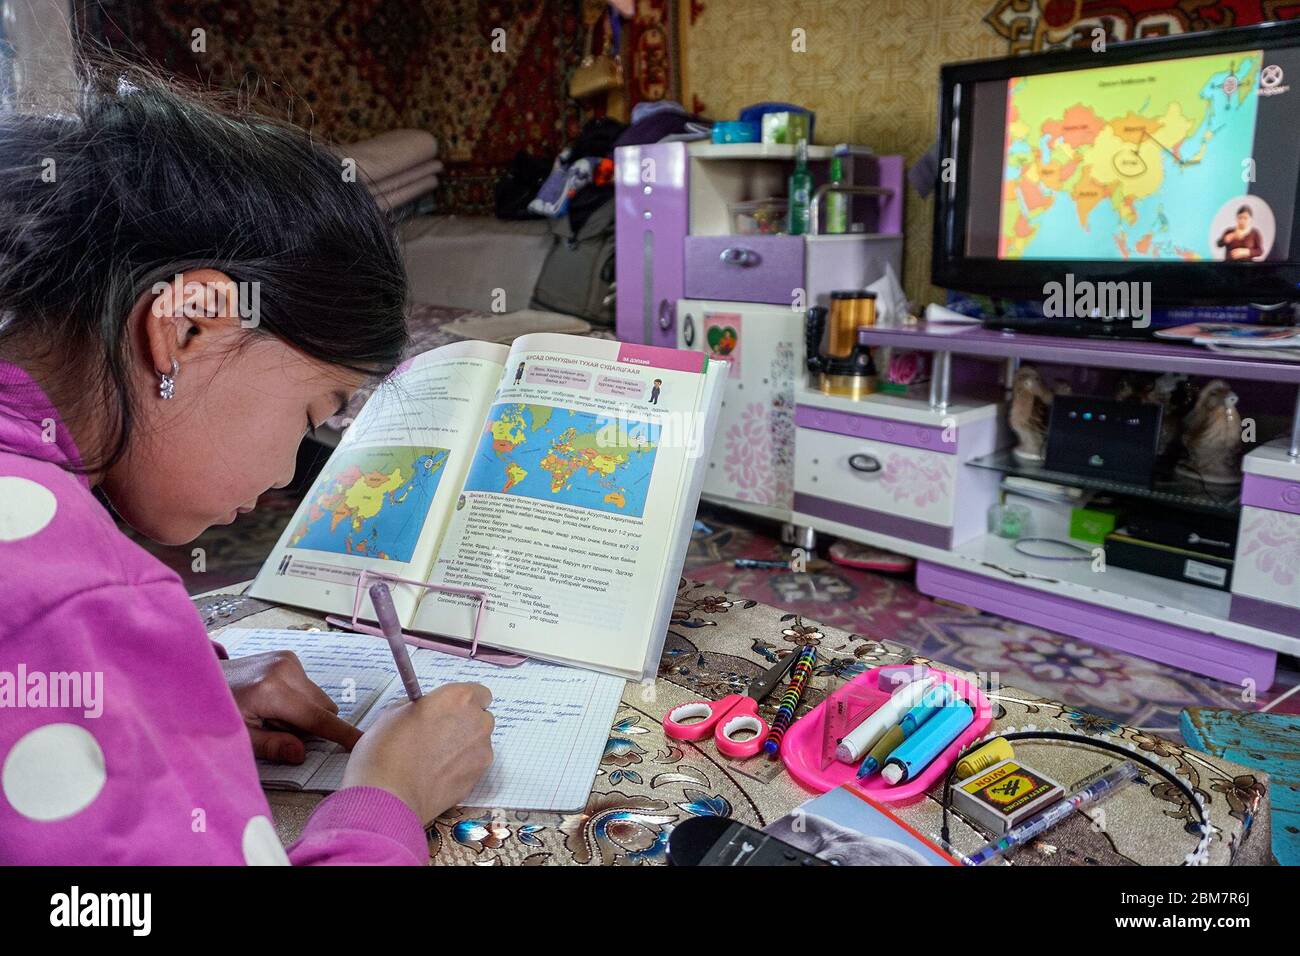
429, 753
274, 688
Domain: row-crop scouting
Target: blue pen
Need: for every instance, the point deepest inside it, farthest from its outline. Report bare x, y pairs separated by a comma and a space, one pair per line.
1026, 830
916, 752
935, 699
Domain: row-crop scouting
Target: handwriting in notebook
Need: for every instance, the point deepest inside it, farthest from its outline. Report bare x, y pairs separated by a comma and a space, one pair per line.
552, 722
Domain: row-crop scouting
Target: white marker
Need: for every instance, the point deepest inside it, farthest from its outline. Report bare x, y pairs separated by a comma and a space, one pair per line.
863, 737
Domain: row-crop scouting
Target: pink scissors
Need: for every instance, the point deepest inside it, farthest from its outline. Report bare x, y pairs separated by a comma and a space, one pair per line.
734, 714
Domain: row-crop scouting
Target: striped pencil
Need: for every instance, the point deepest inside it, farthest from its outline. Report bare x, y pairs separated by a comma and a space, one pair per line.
790, 699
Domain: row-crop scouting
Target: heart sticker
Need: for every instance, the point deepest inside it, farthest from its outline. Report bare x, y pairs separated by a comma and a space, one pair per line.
722, 340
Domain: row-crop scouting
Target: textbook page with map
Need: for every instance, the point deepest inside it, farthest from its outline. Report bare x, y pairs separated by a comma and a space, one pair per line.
559, 475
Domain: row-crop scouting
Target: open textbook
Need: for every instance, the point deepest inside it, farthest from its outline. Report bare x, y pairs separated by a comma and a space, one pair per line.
559, 475
552, 723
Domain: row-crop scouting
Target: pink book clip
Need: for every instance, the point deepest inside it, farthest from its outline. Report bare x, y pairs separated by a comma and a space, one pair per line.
444, 644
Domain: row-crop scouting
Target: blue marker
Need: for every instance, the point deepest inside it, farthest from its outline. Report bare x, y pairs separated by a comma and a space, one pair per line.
917, 751
935, 699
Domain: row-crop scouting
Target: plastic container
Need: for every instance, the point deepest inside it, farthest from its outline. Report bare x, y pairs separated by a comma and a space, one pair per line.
736, 131
758, 217
1010, 520
801, 748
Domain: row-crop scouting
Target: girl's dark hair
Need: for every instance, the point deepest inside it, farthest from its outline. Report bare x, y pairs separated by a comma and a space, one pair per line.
143, 179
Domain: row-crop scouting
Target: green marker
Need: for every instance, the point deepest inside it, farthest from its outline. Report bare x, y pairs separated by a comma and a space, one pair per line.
881, 751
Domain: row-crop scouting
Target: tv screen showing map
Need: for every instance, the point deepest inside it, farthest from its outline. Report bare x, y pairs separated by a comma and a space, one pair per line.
1190, 159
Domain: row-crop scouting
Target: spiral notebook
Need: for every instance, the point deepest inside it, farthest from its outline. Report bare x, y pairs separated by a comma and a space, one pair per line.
552, 722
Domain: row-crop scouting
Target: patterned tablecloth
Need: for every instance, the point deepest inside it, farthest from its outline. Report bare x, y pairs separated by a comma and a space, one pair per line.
716, 644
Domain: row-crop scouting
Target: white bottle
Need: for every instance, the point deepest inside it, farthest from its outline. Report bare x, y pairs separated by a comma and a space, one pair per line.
864, 736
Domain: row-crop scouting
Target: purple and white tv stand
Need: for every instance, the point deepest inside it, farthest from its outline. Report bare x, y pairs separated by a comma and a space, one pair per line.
916, 474
932, 482
687, 279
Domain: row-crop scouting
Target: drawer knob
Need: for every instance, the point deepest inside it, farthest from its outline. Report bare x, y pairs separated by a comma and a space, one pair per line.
1292, 495
665, 313
688, 330
864, 463
739, 256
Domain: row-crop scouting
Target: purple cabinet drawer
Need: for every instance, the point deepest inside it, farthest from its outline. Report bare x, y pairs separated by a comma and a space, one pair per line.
1275, 494
744, 268
877, 429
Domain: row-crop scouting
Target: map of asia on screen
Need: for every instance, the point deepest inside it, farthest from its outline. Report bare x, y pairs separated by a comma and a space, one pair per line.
1190, 159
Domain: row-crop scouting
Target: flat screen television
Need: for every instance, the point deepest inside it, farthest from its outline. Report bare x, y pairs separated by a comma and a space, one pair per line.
1172, 161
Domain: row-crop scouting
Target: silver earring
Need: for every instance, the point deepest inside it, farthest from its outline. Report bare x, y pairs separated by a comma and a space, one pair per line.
167, 387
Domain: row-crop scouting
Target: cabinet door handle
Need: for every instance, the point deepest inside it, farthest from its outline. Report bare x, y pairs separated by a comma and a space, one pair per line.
665, 314
864, 463
740, 256
688, 330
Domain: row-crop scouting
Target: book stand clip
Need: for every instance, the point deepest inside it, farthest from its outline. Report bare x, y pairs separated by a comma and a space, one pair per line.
446, 645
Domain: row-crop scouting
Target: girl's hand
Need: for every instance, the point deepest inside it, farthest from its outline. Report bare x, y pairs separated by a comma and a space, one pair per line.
274, 688
429, 753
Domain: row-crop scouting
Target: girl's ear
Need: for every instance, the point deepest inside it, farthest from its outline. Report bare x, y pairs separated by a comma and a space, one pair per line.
177, 318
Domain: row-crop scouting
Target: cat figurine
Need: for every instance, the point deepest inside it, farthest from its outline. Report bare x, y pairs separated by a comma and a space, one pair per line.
1212, 437
1031, 404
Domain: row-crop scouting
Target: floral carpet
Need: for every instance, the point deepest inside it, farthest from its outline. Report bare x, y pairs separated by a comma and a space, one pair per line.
717, 643
1108, 684
1100, 683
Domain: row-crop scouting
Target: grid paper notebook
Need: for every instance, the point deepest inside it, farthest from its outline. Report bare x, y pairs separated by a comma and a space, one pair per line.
552, 722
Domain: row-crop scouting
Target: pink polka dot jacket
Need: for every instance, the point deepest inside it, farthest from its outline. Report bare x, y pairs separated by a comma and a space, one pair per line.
120, 742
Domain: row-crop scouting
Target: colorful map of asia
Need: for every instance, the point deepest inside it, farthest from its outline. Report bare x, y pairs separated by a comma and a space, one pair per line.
1126, 161
371, 501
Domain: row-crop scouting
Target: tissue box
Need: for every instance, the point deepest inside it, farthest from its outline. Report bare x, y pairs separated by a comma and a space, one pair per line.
735, 131
785, 127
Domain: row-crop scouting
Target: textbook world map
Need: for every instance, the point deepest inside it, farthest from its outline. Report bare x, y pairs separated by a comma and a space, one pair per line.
575, 458
371, 502
1127, 161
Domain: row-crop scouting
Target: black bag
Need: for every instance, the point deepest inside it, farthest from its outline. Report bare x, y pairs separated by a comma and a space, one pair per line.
517, 187
578, 275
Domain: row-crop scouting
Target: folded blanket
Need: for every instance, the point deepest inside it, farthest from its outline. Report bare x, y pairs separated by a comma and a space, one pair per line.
391, 152
404, 194
431, 168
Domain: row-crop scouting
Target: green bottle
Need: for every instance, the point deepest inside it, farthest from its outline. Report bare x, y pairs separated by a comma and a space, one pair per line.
800, 191
837, 204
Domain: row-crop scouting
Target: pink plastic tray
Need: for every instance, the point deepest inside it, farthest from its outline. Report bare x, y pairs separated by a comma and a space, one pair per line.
801, 748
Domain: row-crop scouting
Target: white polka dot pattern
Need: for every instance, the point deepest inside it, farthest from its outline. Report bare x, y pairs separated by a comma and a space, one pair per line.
25, 507
53, 772
261, 846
